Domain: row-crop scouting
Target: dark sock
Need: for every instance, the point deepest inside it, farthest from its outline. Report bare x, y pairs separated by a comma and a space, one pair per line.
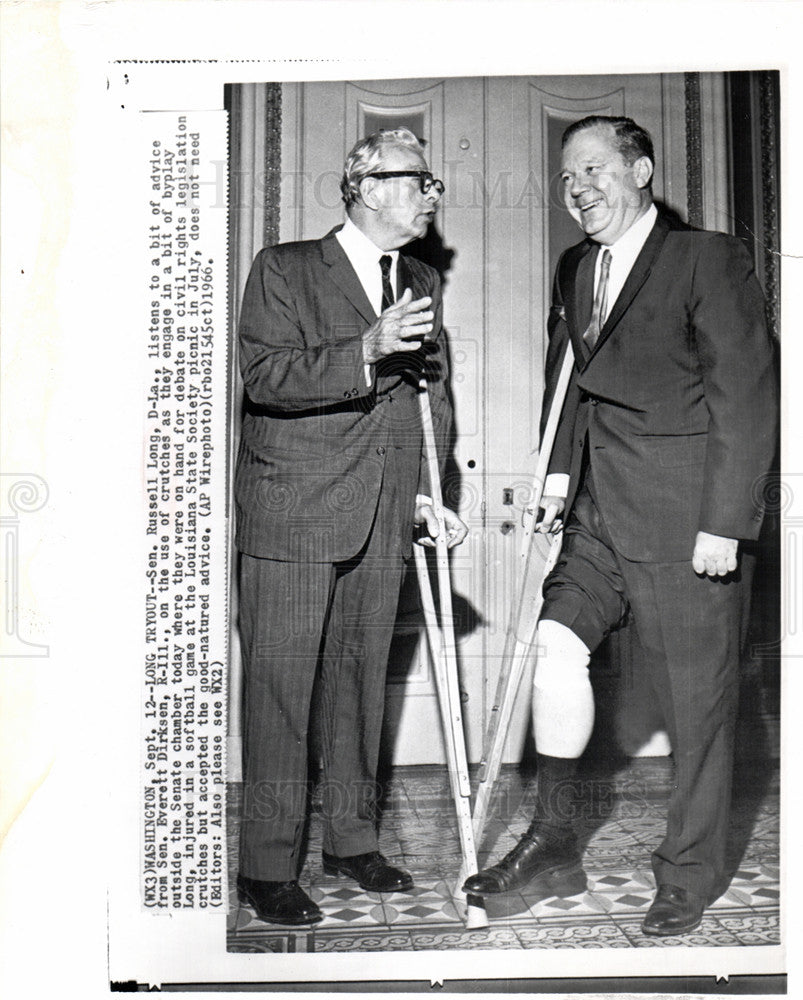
557, 795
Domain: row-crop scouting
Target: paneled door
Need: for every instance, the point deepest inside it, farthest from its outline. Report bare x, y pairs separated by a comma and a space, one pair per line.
496, 144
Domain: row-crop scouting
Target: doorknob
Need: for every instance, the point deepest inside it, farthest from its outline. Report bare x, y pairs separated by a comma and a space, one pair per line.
506, 527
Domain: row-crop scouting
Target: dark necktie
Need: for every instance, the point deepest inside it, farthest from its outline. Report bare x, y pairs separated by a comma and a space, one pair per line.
600, 302
388, 298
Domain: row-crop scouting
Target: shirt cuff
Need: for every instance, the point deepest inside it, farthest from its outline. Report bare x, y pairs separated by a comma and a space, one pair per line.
556, 485
369, 375
422, 499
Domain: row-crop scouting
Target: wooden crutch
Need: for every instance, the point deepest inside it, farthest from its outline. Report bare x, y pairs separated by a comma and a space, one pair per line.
525, 611
443, 654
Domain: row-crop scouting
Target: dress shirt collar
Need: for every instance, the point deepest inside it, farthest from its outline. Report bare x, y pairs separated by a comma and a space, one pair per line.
623, 256
629, 244
362, 252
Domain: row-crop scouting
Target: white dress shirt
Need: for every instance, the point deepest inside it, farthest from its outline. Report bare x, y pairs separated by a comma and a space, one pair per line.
363, 255
623, 256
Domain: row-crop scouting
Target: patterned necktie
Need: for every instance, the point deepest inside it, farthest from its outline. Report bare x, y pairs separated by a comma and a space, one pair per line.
600, 302
388, 298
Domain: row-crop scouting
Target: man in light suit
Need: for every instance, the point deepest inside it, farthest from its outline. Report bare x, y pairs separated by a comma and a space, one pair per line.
335, 335
668, 427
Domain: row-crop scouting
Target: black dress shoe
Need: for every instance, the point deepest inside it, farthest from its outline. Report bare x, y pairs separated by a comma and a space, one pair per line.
555, 862
278, 902
674, 911
372, 872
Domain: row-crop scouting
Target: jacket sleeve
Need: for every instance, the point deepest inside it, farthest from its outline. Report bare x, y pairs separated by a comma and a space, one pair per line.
282, 367
728, 320
436, 372
560, 460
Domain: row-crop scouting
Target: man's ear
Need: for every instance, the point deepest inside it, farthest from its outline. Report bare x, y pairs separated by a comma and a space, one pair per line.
369, 192
642, 171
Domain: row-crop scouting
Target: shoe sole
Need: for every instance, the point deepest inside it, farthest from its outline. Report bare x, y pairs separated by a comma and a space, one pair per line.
659, 932
560, 881
244, 897
334, 870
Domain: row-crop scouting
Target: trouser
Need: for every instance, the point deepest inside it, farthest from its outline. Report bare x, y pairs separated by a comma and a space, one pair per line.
299, 622
690, 631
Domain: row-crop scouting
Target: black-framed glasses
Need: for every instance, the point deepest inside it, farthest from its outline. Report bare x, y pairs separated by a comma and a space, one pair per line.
425, 178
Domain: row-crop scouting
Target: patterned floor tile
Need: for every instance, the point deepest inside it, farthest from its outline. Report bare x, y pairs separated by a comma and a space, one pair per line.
614, 837
599, 860
753, 928
424, 904
418, 832
351, 907
425, 868
573, 935
710, 934
490, 938
258, 946
397, 940
422, 845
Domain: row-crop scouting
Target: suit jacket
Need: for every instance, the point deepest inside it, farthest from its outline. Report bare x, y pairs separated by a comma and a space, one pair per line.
318, 445
675, 408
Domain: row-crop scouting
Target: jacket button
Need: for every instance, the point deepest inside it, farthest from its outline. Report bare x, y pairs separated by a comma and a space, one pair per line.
594, 402
380, 450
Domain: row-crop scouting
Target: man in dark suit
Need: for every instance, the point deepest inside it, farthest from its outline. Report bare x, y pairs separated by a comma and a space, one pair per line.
668, 426
335, 335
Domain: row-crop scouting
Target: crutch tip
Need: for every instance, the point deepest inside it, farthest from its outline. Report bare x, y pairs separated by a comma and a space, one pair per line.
476, 917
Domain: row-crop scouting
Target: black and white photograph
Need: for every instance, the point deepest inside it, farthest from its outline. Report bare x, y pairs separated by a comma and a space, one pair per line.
597, 737
403, 543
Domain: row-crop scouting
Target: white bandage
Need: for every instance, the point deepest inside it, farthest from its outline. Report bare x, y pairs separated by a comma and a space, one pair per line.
563, 659
563, 701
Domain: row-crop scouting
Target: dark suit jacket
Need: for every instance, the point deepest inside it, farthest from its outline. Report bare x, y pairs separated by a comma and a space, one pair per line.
676, 406
317, 443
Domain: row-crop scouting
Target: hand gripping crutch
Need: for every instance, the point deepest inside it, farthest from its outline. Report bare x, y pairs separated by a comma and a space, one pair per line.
525, 610
444, 661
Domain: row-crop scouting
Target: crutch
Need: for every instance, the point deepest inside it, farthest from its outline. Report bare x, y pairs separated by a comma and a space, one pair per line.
444, 661
525, 610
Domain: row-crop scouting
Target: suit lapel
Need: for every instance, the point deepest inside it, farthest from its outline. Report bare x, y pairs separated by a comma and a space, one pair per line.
345, 277
638, 275
579, 298
405, 278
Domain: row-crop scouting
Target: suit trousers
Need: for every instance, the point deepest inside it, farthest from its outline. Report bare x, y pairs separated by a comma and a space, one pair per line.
315, 632
690, 628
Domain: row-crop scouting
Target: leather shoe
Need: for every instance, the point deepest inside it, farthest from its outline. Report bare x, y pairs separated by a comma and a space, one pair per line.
554, 861
372, 872
278, 902
674, 911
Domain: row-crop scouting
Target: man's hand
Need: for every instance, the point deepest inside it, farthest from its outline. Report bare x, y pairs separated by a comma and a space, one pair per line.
456, 531
714, 555
401, 327
553, 507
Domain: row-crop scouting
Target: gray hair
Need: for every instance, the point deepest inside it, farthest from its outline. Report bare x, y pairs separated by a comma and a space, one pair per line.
366, 157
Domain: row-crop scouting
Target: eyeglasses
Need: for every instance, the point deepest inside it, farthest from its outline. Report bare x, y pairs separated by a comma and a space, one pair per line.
425, 178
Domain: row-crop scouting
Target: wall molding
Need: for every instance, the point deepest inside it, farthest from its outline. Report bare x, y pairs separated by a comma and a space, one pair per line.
769, 196
694, 150
272, 175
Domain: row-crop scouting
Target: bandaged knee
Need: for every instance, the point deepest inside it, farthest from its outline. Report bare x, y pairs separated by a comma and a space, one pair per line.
562, 659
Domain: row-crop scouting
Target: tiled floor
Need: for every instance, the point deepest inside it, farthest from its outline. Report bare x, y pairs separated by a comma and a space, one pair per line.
625, 821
